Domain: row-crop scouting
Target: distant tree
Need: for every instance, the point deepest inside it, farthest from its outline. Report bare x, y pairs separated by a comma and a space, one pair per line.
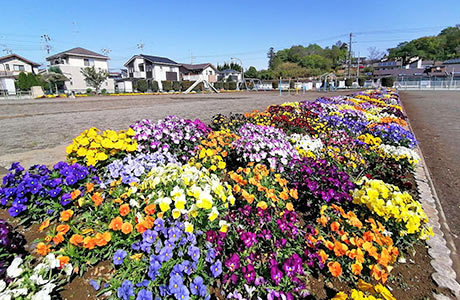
404, 51
54, 79
316, 61
94, 78
375, 54
232, 66
266, 74
251, 73
271, 56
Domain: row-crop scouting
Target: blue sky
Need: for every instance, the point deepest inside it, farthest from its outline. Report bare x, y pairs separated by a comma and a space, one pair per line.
215, 31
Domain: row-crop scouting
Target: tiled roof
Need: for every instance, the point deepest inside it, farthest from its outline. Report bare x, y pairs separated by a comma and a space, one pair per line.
20, 58
80, 52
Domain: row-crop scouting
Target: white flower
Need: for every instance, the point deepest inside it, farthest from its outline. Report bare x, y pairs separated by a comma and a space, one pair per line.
13, 270
41, 295
5, 296
19, 292
133, 203
38, 279
49, 287
52, 261
68, 269
2, 285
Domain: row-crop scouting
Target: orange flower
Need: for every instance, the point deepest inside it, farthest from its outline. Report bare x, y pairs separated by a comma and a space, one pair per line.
384, 257
48, 238
124, 210
63, 260
66, 215
368, 236
262, 204
63, 228
283, 195
323, 255
150, 209
97, 199
294, 194
44, 225
59, 238
89, 187
323, 220
42, 249
126, 228
74, 195
249, 197
116, 223
356, 268
76, 240
89, 242
329, 245
140, 227
289, 206
149, 222
236, 189
102, 239
340, 249
335, 226
335, 268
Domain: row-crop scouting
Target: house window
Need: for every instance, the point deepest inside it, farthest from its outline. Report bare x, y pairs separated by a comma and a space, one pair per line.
18, 67
141, 67
7, 67
88, 62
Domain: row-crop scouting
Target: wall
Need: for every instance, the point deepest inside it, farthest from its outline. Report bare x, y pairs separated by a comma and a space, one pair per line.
7, 84
159, 73
27, 67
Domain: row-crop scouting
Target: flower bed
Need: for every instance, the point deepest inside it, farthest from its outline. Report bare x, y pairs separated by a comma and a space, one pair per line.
252, 206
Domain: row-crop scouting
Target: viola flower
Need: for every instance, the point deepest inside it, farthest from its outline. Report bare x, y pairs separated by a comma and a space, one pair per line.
149, 236
276, 274
119, 256
197, 287
233, 262
194, 253
216, 269
249, 273
95, 284
175, 284
125, 291
144, 295
165, 254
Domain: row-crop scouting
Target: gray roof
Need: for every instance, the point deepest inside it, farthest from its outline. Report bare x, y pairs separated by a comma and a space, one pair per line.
452, 61
197, 67
159, 59
78, 51
11, 56
229, 71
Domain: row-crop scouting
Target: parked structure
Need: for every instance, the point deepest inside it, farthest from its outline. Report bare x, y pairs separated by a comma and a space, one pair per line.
72, 61
10, 67
151, 68
194, 72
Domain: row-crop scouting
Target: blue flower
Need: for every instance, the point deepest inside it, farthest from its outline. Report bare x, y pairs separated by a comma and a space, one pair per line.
216, 269
170, 244
174, 234
54, 192
143, 283
65, 199
149, 236
159, 224
165, 254
70, 180
15, 210
125, 290
95, 284
119, 256
194, 253
158, 246
186, 267
144, 295
175, 284
183, 293
197, 287
211, 255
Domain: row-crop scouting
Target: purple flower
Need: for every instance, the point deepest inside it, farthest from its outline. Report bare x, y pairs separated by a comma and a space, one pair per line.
249, 239
249, 273
276, 274
174, 234
65, 199
15, 210
119, 256
149, 236
95, 284
216, 269
165, 254
233, 262
159, 224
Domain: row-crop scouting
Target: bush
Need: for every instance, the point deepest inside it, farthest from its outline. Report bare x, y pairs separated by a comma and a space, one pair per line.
388, 81
141, 86
154, 86
167, 85
232, 85
361, 81
104, 91
186, 84
89, 90
176, 86
199, 87
226, 85
219, 85
291, 84
275, 84
348, 82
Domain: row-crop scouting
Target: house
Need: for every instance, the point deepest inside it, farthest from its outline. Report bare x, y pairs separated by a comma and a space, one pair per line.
15, 64
194, 72
149, 68
72, 61
230, 75
10, 67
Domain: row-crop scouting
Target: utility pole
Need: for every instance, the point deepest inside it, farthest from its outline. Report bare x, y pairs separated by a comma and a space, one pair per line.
349, 55
357, 69
106, 51
140, 46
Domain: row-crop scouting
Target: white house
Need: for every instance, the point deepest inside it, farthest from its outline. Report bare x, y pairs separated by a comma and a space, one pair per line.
72, 61
230, 74
150, 68
10, 67
194, 72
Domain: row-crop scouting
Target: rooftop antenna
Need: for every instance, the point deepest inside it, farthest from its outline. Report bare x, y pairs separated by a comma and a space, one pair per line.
106, 51
141, 46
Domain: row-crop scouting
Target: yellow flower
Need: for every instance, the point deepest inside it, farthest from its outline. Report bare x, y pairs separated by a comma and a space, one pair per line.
164, 203
175, 213
213, 214
188, 227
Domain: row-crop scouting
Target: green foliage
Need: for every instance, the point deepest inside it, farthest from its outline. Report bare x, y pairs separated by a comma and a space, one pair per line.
219, 85
251, 73
186, 84
54, 79
226, 85
93, 77
443, 46
388, 81
22, 83
141, 86
275, 84
232, 85
167, 85
154, 86
104, 91
229, 79
176, 86
89, 90
348, 82
271, 56
361, 81
232, 66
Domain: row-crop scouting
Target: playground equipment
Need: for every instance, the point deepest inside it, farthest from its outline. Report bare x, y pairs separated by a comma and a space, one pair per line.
207, 85
328, 79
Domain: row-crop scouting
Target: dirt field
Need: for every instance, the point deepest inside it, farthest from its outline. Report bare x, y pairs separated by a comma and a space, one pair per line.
435, 118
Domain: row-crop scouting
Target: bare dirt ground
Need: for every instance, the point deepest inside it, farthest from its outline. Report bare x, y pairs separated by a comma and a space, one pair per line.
435, 119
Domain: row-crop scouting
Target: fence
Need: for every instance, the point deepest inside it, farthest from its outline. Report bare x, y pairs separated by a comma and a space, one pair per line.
4, 95
428, 84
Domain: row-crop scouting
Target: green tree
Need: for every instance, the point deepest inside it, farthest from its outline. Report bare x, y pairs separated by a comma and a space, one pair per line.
316, 61
22, 83
54, 79
251, 73
141, 86
94, 78
271, 56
